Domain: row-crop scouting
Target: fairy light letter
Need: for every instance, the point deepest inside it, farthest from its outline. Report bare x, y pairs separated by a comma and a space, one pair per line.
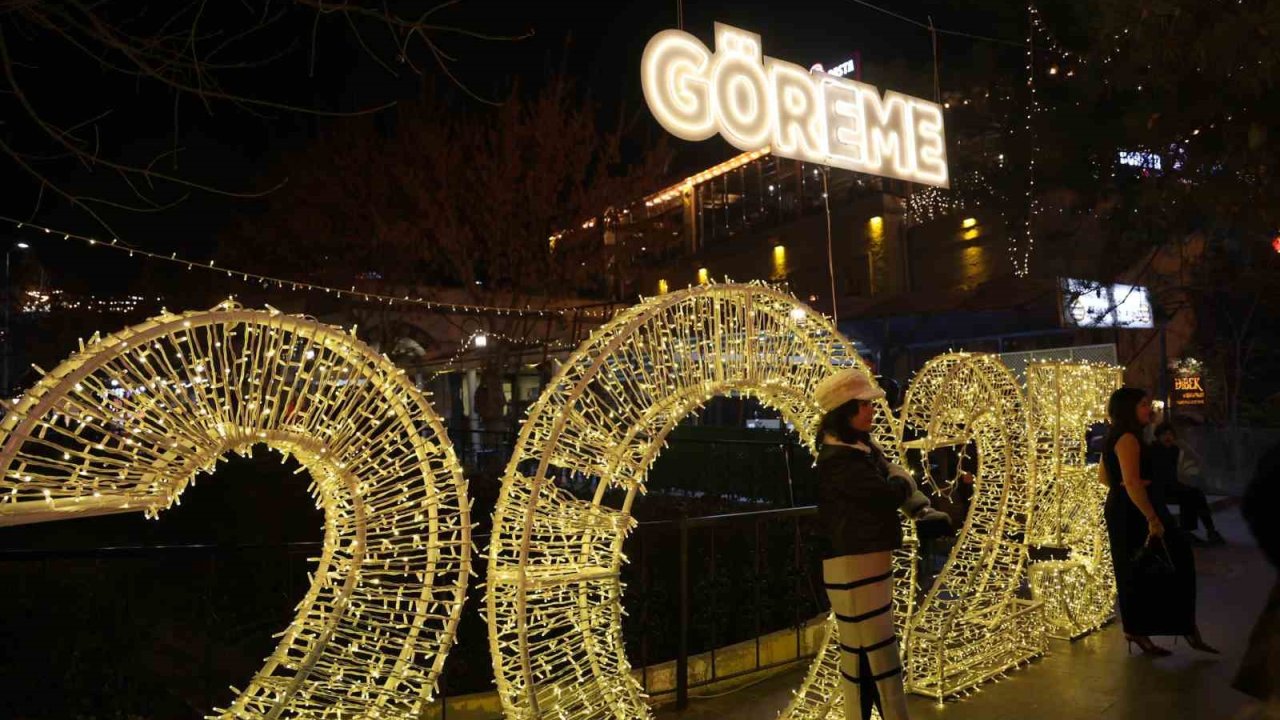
553, 590
971, 627
554, 595
126, 423
1078, 590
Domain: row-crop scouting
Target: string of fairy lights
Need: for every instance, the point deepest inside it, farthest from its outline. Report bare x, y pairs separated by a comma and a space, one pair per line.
554, 593
281, 283
479, 340
1033, 105
554, 605
969, 190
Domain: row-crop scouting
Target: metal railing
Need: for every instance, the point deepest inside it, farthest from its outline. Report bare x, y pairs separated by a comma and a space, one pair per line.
686, 588
797, 571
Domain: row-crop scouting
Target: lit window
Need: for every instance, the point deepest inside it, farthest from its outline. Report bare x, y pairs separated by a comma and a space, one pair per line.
779, 263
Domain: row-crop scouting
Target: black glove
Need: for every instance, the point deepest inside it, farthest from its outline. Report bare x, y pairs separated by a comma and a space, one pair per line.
934, 524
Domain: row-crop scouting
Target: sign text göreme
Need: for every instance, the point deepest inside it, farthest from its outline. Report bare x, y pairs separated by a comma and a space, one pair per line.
756, 102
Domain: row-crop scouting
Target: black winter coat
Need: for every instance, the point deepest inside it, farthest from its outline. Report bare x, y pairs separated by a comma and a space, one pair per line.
858, 501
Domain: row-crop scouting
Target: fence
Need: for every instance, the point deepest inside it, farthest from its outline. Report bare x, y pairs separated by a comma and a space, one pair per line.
738, 578
1018, 361
159, 630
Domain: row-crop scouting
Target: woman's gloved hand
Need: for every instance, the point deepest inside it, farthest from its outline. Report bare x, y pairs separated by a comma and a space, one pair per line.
930, 523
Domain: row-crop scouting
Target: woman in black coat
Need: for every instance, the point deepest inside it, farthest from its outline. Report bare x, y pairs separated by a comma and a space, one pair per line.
1136, 515
859, 494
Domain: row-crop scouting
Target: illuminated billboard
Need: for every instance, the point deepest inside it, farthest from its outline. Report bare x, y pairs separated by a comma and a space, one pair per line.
756, 103
1092, 304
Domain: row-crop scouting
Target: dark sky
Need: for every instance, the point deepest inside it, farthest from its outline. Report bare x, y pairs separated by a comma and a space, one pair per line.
598, 43
609, 37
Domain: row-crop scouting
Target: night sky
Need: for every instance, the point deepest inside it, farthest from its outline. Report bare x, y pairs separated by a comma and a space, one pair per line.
599, 44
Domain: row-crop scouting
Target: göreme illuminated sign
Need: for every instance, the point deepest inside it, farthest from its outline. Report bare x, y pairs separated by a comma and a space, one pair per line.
758, 102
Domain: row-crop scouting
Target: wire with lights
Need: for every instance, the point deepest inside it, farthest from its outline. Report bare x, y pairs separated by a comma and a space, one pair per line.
300, 285
1023, 268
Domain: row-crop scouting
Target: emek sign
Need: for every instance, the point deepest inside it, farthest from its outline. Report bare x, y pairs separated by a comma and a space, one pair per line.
756, 102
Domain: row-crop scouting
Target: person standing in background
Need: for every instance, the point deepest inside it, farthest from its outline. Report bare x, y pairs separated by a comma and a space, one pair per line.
1166, 462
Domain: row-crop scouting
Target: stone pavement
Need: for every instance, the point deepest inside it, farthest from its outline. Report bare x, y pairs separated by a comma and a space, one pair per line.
1094, 677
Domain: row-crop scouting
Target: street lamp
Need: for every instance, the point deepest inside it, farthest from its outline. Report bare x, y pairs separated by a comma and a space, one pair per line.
4, 380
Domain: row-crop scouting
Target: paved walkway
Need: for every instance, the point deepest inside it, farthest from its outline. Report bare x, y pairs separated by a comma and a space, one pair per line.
1094, 677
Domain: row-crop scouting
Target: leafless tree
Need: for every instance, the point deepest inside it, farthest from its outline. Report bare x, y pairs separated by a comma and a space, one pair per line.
59, 58
522, 205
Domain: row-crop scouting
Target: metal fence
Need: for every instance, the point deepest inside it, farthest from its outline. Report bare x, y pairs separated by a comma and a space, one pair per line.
145, 631
160, 629
1018, 361
737, 577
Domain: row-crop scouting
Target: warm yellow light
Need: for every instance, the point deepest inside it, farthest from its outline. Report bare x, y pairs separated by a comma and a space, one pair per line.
875, 233
606, 414
703, 277
757, 103
968, 222
371, 635
1078, 590
779, 263
663, 289
972, 234
554, 595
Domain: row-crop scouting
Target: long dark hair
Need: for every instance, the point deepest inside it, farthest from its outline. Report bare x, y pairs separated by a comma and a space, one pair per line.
839, 422
1122, 409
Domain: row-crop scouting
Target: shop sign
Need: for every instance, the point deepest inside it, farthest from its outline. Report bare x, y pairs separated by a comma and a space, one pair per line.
1188, 390
756, 103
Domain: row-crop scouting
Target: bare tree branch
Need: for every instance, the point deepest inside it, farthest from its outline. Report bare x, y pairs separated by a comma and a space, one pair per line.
189, 49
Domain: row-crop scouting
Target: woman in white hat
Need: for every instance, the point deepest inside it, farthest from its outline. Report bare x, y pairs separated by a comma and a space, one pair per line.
859, 495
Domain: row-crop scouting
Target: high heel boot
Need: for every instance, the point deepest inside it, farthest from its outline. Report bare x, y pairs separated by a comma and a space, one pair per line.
1146, 646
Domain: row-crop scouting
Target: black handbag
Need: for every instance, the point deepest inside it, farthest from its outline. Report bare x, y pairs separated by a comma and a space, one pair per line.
1152, 559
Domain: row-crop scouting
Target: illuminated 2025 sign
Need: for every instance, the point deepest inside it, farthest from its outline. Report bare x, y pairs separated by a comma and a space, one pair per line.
756, 102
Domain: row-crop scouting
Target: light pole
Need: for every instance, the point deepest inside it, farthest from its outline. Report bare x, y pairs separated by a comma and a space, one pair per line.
8, 298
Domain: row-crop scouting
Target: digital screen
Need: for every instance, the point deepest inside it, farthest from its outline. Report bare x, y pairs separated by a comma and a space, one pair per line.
1149, 161
1090, 304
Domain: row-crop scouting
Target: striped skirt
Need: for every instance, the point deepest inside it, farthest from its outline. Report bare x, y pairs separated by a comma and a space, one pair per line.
860, 588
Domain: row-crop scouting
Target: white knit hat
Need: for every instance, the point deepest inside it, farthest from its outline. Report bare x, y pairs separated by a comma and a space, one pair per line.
845, 385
